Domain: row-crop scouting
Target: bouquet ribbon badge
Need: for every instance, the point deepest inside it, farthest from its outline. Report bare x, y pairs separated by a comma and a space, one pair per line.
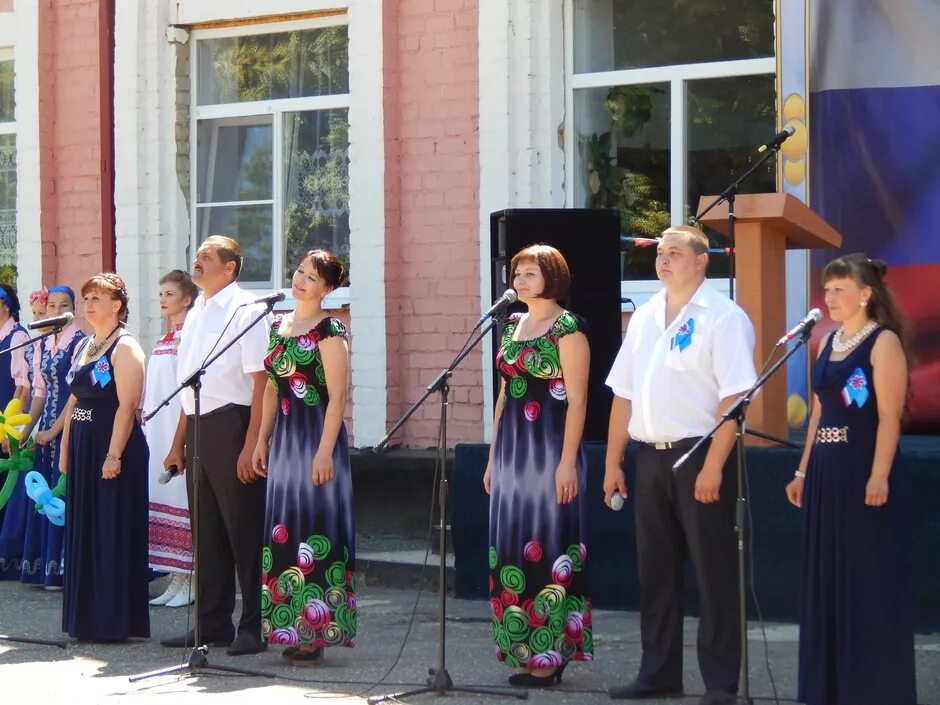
683, 337
855, 390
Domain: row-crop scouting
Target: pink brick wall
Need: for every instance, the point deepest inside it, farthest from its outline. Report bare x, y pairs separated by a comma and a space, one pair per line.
70, 141
432, 212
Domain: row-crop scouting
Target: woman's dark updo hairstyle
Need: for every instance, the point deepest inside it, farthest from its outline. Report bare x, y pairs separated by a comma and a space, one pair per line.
184, 282
111, 284
328, 267
871, 273
11, 300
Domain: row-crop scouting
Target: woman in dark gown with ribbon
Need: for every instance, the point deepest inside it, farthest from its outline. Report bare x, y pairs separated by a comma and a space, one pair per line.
535, 476
856, 612
105, 456
308, 592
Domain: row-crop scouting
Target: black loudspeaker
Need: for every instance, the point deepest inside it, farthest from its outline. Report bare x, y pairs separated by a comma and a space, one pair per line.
590, 242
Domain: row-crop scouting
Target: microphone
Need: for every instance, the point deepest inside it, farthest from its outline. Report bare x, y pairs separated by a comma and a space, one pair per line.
268, 300
778, 139
168, 474
55, 321
803, 327
639, 241
508, 298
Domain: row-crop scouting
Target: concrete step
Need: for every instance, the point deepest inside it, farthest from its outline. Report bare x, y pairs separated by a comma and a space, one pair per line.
403, 569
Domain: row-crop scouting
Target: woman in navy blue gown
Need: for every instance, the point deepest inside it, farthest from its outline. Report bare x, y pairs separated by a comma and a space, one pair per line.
856, 613
105, 456
308, 590
535, 477
14, 384
43, 559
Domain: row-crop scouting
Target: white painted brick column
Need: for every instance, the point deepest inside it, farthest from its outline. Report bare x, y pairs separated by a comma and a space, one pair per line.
522, 105
25, 31
367, 221
152, 221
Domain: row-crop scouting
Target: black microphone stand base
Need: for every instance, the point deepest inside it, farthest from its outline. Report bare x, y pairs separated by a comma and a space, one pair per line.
736, 413
199, 657
441, 683
198, 661
40, 642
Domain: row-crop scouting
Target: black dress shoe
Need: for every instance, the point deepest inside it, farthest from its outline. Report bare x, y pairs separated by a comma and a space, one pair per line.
530, 680
718, 697
246, 644
638, 690
187, 640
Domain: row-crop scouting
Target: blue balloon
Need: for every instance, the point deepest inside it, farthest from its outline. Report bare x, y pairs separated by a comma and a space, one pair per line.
37, 489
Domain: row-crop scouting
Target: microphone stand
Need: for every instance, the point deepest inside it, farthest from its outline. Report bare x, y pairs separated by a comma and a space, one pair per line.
55, 330
736, 412
29, 341
729, 195
199, 655
40, 642
440, 681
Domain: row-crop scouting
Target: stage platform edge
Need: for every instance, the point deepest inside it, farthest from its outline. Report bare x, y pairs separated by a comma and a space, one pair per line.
776, 532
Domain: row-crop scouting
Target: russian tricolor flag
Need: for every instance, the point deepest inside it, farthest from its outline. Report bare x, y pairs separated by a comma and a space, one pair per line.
875, 158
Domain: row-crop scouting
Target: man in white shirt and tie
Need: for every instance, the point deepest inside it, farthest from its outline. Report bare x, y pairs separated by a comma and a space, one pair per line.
687, 355
231, 499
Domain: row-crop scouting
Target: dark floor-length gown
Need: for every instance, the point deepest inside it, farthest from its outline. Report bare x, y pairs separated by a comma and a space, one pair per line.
106, 521
308, 590
537, 556
43, 555
14, 514
856, 614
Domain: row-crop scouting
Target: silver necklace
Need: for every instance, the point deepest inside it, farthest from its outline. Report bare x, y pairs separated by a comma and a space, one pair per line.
841, 346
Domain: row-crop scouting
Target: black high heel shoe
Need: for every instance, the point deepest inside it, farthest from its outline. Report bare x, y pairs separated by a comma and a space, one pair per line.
528, 680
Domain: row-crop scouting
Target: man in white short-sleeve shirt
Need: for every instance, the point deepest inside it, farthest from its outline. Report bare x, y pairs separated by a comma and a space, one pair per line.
231, 497
687, 355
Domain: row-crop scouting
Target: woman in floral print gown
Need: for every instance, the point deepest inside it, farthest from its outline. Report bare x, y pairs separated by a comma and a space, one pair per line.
308, 598
537, 557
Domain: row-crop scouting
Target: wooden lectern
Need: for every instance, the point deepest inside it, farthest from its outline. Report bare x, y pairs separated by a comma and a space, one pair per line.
766, 224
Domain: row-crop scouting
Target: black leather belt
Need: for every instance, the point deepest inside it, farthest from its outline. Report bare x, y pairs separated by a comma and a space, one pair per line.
681, 444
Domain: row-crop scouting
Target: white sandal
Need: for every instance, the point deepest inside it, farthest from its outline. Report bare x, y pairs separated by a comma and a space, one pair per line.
184, 595
171, 589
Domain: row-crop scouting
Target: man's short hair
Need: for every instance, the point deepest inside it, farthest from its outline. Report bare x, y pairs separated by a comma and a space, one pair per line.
693, 237
227, 249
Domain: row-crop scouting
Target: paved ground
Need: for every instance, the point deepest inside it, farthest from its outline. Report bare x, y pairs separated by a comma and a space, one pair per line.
88, 673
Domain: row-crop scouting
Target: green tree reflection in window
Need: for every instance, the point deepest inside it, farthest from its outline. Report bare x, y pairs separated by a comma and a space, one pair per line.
274, 66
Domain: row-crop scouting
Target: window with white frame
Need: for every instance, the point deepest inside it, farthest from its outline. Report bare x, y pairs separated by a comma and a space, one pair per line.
7, 170
667, 101
271, 160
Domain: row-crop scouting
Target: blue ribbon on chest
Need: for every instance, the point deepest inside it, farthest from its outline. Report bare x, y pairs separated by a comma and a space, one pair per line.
856, 389
101, 372
683, 337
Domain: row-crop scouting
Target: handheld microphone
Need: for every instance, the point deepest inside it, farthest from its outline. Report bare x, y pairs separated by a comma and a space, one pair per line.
778, 139
508, 298
269, 300
168, 474
803, 327
616, 501
62, 320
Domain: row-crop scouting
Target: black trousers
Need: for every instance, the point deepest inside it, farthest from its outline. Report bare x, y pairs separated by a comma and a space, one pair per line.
670, 526
231, 523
